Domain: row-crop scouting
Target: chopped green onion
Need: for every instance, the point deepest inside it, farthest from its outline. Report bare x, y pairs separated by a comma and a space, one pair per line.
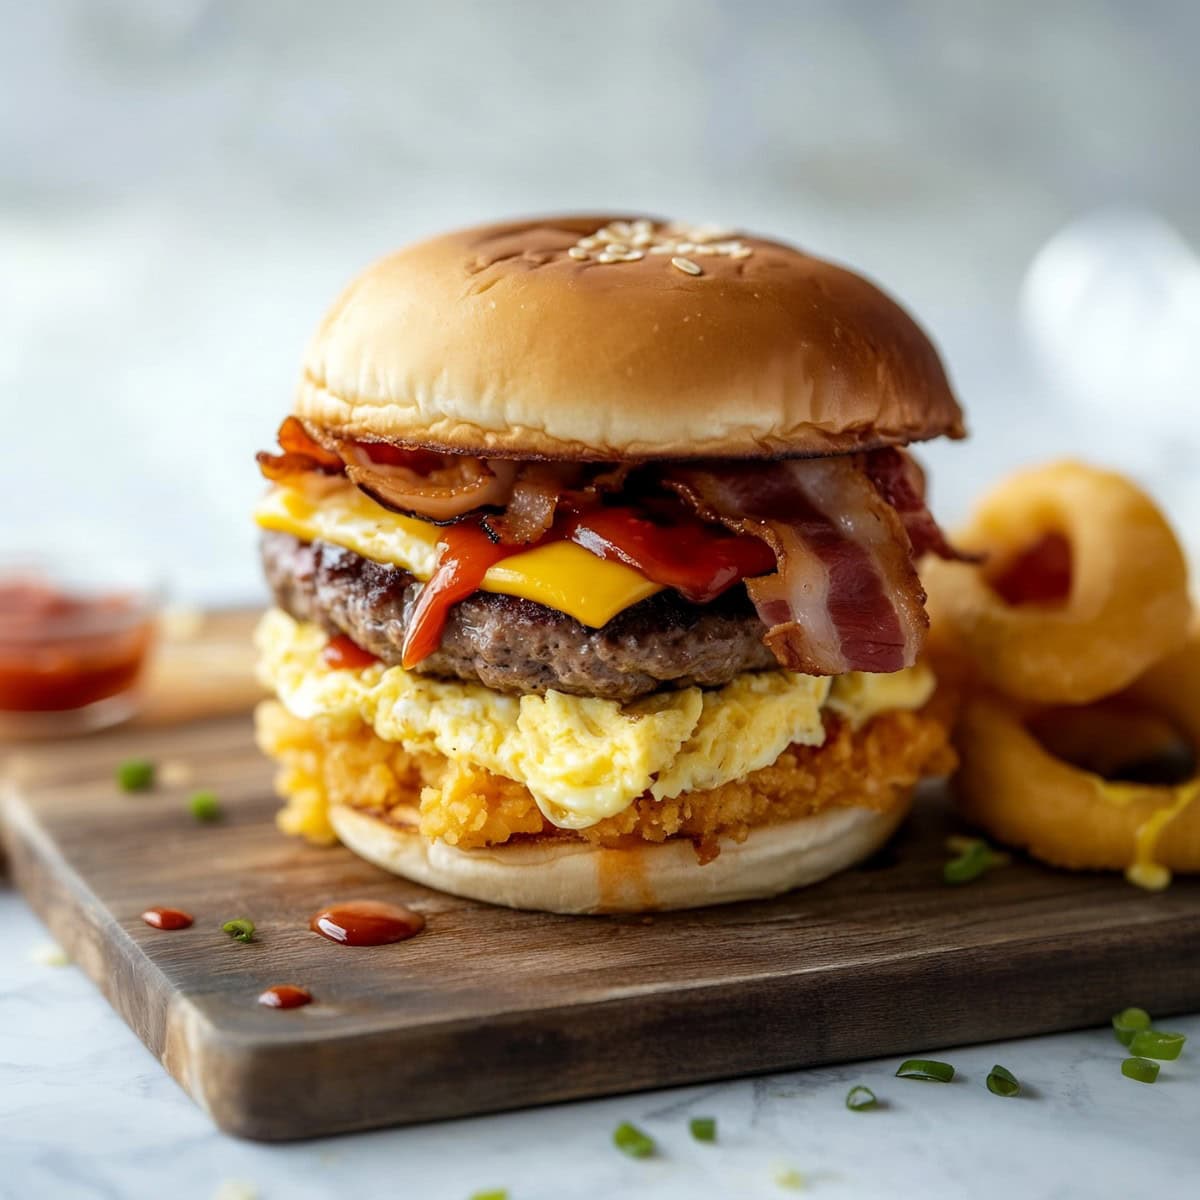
1128, 1022
205, 806
1154, 1043
1141, 1069
1002, 1082
704, 1129
789, 1177
974, 857
926, 1068
240, 929
629, 1139
860, 1098
135, 775
494, 1194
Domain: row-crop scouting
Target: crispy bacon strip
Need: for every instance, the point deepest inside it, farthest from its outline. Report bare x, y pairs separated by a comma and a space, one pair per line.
901, 482
845, 595
301, 455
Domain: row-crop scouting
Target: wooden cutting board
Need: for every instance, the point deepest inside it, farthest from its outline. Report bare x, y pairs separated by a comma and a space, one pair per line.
491, 1009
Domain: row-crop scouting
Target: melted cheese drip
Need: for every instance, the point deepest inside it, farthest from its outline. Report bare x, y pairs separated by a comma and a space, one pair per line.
1144, 871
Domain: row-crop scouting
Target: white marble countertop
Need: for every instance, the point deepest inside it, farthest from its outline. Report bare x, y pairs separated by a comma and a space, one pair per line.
87, 1114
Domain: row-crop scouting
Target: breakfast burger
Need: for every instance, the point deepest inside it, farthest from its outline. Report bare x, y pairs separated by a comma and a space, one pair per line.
592, 545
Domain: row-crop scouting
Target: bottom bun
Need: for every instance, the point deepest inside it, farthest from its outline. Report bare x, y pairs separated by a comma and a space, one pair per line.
562, 875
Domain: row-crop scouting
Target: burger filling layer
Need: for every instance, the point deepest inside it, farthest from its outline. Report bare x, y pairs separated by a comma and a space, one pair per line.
823, 549
579, 761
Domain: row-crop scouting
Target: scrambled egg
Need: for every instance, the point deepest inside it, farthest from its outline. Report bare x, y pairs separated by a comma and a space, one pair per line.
583, 760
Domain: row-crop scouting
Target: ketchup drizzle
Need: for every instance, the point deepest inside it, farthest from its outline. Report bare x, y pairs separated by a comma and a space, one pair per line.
467, 553
343, 654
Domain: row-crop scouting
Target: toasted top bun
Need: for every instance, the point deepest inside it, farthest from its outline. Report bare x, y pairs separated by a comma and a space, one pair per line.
513, 340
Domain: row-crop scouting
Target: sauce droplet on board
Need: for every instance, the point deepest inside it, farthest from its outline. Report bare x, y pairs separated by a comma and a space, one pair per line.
285, 995
366, 923
167, 918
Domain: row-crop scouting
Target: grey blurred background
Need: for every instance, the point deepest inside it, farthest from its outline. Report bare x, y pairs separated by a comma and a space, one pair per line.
184, 184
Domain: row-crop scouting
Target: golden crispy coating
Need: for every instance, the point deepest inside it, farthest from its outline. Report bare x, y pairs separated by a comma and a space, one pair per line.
323, 764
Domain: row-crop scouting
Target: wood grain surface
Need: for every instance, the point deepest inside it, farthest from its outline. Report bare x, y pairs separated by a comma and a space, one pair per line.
491, 1009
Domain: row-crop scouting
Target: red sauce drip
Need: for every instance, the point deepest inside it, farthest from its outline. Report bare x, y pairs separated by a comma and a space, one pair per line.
167, 918
366, 923
60, 651
1040, 574
466, 554
695, 558
342, 654
682, 552
285, 995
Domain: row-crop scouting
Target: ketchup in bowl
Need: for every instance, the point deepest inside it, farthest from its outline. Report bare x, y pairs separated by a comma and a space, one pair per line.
71, 651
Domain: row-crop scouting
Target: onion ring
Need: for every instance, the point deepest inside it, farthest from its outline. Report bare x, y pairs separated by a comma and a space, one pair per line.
1126, 604
1015, 788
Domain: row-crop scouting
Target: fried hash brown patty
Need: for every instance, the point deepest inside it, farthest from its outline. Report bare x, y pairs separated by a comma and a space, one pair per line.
516, 645
323, 764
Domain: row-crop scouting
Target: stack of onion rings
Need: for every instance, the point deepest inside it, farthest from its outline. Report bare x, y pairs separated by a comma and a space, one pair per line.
1010, 784
1113, 647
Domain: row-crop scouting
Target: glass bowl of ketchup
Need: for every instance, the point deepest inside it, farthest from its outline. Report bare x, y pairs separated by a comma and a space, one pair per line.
74, 640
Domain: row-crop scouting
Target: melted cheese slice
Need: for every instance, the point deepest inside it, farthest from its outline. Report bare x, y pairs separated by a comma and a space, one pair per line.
582, 759
560, 575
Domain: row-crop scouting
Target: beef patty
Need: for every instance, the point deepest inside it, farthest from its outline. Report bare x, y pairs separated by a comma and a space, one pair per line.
515, 645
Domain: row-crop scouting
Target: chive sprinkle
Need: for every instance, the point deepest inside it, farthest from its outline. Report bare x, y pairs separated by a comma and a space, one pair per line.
926, 1068
1128, 1022
859, 1099
493, 1194
969, 865
629, 1139
1002, 1082
205, 806
1156, 1043
1141, 1069
240, 929
704, 1129
135, 775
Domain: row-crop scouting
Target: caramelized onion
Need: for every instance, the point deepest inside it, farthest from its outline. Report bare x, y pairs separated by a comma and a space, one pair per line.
532, 503
450, 490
